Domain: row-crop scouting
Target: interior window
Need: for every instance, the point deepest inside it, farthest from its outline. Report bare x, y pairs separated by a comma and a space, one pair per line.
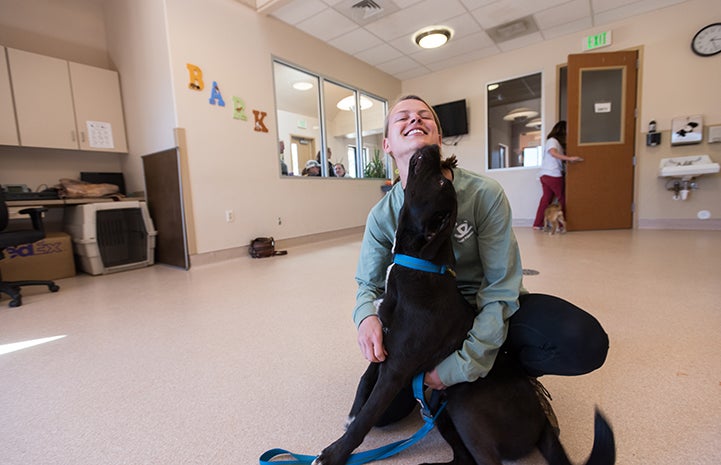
320, 126
514, 131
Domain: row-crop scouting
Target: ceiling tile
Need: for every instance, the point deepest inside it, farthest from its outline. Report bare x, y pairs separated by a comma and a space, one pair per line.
355, 41
521, 42
566, 13
567, 28
380, 54
327, 25
632, 9
398, 65
409, 20
298, 10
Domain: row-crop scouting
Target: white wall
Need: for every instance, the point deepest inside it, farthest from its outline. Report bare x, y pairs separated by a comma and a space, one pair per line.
233, 167
673, 82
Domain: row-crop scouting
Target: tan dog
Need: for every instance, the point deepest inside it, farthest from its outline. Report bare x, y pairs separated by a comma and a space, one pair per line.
554, 219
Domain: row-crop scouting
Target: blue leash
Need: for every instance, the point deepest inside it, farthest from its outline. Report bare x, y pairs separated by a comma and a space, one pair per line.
380, 453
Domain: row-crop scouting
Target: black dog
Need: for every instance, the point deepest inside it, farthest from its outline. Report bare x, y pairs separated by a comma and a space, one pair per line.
425, 319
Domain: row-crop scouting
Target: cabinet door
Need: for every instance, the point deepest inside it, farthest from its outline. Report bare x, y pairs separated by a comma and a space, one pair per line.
98, 108
43, 102
8, 128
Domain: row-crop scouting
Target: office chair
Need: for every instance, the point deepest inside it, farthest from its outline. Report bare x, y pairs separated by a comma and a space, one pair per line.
18, 237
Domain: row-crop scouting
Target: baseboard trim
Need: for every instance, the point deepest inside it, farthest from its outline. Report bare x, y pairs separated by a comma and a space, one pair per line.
280, 244
680, 223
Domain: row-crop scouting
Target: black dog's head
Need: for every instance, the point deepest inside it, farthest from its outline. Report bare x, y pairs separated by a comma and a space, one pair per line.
429, 209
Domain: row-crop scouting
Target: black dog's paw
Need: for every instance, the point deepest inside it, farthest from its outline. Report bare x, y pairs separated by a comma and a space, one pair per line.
331, 456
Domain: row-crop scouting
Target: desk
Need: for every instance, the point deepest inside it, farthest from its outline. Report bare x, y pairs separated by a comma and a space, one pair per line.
54, 222
65, 202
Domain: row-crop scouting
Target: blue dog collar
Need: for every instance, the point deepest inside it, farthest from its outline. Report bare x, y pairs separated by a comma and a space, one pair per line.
421, 265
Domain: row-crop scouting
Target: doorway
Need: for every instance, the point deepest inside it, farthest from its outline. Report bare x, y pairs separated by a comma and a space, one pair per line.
601, 130
302, 149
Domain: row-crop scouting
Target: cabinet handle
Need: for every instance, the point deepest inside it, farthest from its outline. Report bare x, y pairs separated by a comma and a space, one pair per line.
72, 135
82, 136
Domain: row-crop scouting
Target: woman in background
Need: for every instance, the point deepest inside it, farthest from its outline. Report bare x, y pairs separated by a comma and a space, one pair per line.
551, 173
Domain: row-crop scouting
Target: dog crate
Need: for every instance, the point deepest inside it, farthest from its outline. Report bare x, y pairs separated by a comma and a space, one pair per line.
111, 237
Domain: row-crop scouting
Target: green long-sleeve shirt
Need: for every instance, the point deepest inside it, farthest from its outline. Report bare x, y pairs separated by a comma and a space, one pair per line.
488, 268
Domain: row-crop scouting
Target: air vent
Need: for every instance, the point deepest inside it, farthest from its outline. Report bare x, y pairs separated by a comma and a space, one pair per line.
369, 4
513, 30
369, 8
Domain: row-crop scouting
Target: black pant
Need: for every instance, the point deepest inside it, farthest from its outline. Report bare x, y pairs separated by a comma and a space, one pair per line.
549, 335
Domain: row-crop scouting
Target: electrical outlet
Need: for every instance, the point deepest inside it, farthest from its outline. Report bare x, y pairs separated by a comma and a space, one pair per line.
229, 216
280, 221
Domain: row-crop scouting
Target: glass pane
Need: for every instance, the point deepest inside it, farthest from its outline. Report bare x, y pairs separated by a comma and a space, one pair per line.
297, 108
601, 102
514, 122
375, 163
340, 125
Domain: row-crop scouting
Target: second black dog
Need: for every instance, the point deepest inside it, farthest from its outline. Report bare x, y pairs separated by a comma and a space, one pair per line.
425, 318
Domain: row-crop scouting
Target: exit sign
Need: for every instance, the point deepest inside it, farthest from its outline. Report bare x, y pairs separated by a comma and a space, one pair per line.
602, 39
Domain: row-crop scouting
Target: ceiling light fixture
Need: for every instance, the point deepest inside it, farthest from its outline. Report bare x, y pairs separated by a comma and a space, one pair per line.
432, 37
534, 123
348, 103
492, 87
520, 113
302, 85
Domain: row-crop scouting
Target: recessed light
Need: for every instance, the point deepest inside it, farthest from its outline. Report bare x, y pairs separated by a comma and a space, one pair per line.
432, 37
348, 103
520, 113
302, 85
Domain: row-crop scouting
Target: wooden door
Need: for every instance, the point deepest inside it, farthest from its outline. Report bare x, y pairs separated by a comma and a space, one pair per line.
98, 108
601, 130
43, 100
304, 148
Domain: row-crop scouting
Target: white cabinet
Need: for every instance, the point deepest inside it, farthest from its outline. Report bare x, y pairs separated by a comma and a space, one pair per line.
57, 102
8, 128
98, 108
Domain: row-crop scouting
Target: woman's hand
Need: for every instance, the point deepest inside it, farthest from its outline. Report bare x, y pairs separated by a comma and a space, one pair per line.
370, 339
432, 380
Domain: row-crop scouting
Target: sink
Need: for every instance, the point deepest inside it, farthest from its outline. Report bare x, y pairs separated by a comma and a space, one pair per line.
687, 167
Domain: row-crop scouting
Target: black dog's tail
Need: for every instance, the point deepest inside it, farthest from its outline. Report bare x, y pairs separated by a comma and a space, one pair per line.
604, 444
602, 453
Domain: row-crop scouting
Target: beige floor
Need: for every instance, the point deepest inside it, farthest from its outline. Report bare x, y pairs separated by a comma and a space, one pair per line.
220, 363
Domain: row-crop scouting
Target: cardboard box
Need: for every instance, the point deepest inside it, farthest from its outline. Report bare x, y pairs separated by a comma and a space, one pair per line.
47, 259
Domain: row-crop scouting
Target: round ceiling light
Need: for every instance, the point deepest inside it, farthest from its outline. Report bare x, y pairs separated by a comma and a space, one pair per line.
534, 123
302, 85
348, 103
432, 37
520, 113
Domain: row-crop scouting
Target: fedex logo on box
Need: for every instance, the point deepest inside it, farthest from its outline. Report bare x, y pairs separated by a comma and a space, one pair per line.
42, 247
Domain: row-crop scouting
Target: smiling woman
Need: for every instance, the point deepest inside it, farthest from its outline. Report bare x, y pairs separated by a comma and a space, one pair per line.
319, 120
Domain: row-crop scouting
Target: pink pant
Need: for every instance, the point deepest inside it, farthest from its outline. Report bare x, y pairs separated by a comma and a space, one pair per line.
552, 187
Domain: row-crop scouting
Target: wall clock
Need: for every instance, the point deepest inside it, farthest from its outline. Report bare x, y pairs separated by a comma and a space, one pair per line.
707, 41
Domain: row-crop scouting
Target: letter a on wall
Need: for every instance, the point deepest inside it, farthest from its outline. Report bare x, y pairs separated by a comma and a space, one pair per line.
259, 117
196, 77
215, 95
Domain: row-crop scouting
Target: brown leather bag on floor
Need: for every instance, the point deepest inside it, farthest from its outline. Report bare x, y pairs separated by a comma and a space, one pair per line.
262, 247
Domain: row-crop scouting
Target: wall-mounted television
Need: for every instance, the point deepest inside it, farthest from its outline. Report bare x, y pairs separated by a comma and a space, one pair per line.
453, 116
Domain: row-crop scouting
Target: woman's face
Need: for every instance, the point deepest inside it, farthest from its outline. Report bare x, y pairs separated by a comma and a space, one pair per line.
339, 171
410, 126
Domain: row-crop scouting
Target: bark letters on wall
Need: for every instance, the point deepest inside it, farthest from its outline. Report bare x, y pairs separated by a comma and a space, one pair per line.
195, 83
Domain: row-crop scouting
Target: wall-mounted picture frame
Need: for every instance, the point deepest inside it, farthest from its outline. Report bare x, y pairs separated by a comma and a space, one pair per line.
687, 130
